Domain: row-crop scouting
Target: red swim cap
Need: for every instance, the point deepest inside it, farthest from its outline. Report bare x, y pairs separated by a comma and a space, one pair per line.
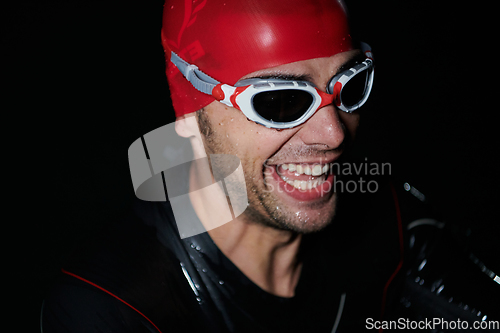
228, 39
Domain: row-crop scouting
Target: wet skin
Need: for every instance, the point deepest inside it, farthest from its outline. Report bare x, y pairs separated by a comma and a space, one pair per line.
264, 240
260, 149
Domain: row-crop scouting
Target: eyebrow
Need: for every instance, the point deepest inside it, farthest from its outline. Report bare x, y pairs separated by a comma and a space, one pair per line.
358, 58
289, 77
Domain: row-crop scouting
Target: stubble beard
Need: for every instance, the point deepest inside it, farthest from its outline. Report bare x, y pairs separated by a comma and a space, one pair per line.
263, 206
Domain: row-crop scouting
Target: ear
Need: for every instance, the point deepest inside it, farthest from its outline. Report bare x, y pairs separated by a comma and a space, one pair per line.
186, 126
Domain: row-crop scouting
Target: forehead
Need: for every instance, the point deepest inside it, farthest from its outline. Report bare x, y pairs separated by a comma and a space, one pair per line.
313, 70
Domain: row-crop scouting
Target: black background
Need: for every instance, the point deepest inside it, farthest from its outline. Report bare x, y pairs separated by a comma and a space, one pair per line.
86, 79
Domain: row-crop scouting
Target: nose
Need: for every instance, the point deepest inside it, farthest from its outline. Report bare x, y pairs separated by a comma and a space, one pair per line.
324, 128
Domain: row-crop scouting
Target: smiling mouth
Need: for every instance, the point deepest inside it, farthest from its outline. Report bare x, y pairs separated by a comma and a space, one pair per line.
303, 176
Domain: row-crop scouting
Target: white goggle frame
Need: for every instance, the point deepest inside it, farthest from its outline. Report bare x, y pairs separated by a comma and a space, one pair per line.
241, 95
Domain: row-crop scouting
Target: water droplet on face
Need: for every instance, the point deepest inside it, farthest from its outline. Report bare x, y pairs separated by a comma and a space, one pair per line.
221, 124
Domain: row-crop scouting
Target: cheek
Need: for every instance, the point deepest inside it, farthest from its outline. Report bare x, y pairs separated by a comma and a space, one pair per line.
246, 137
251, 142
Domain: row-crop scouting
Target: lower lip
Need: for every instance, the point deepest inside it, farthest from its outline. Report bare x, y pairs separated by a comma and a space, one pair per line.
324, 190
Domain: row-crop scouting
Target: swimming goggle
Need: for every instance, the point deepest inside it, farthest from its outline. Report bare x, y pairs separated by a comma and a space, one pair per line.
278, 103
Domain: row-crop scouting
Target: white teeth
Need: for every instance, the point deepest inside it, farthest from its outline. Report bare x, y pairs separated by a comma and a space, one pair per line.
306, 184
316, 170
318, 173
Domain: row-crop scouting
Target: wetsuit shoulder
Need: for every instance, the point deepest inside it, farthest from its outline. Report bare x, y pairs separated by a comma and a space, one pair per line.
125, 280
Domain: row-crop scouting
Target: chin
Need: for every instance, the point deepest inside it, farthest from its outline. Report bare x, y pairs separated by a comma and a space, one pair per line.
307, 226
301, 219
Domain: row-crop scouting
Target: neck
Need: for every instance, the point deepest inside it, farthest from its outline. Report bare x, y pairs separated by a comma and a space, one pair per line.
265, 255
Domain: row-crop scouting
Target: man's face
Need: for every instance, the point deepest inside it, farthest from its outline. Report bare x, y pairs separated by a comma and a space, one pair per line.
301, 200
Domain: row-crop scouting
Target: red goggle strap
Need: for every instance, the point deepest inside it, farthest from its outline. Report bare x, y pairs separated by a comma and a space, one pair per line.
327, 99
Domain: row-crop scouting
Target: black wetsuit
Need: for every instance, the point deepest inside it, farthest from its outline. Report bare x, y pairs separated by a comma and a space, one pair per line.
139, 276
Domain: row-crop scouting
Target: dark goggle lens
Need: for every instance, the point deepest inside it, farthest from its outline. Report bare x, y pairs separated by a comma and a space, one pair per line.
354, 90
282, 105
